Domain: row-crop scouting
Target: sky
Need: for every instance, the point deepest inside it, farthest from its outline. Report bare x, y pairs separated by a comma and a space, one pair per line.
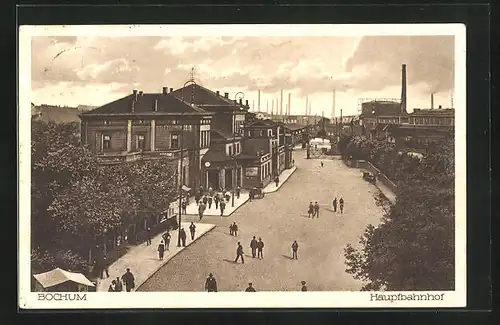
90, 70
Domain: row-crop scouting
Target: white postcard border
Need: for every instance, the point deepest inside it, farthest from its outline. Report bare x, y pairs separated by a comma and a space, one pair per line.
99, 300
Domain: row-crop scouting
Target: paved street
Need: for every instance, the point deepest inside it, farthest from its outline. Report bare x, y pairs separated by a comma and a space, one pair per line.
280, 218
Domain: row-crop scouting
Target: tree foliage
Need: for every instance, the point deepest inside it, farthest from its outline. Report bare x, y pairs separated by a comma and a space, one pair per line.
413, 247
76, 201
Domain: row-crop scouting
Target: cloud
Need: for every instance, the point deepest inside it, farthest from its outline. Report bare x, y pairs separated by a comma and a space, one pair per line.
429, 60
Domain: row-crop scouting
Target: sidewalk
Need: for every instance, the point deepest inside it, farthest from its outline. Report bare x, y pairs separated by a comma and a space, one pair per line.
192, 208
143, 260
284, 176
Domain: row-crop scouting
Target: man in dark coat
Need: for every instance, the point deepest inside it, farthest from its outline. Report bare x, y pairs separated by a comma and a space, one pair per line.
238, 192
211, 283
295, 248
260, 248
210, 199
128, 280
118, 285
105, 266
197, 198
161, 250
239, 253
253, 246
216, 201
310, 211
250, 288
316, 209
205, 200
166, 239
335, 205
222, 207
183, 236
235, 229
192, 230
183, 206
341, 205
148, 236
277, 180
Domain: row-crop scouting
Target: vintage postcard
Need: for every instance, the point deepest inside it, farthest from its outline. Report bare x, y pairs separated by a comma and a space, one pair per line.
188, 166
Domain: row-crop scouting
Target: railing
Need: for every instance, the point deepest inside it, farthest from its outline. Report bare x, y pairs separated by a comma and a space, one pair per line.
136, 155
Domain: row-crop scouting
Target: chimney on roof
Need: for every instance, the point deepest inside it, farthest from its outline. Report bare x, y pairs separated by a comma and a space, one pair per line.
156, 105
246, 102
141, 93
164, 92
171, 89
218, 93
134, 92
432, 100
439, 107
226, 95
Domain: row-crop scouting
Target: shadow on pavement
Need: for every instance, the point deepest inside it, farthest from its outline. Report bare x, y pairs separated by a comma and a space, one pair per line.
229, 261
286, 256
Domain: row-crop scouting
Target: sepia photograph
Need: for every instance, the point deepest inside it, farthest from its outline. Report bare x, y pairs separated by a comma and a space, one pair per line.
314, 165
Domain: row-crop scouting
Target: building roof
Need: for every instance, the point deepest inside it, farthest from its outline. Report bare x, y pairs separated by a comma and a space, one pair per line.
58, 276
216, 155
205, 97
262, 123
252, 147
166, 104
435, 111
224, 134
291, 126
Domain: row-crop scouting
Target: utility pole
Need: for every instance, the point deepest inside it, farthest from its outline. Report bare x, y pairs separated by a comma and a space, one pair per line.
181, 182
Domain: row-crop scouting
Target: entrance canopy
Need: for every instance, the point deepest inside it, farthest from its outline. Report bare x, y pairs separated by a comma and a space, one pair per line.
58, 276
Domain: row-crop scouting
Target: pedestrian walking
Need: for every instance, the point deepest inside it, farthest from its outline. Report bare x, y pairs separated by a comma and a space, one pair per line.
304, 287
231, 229
211, 283
105, 266
238, 192
183, 236
192, 229
216, 201
129, 280
118, 285
321, 164
341, 205
250, 288
310, 211
197, 198
210, 200
111, 287
335, 205
205, 200
148, 236
161, 250
295, 248
228, 196
184, 206
253, 246
235, 229
201, 210
239, 253
222, 207
166, 239
316, 209
277, 180
260, 248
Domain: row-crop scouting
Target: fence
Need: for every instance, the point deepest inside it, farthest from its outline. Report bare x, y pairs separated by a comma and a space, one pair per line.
380, 176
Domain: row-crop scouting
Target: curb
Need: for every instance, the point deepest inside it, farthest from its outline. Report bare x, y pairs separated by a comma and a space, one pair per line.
282, 183
171, 257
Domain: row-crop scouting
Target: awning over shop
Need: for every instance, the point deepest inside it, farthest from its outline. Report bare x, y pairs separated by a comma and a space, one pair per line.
58, 276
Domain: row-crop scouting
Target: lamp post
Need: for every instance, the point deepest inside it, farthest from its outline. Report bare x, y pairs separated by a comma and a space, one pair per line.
234, 180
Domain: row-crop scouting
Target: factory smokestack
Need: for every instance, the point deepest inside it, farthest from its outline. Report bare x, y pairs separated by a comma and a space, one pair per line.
403, 89
333, 105
272, 108
258, 101
289, 100
267, 106
281, 102
307, 106
432, 100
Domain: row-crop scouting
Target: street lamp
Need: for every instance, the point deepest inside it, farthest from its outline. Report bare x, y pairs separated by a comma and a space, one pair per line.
241, 96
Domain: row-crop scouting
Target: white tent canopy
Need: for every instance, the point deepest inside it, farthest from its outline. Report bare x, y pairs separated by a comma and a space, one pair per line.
58, 276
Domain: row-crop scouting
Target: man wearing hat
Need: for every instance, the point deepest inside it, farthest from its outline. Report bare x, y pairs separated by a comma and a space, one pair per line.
304, 288
211, 283
250, 288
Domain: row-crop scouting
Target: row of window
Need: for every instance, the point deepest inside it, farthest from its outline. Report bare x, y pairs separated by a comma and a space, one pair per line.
261, 133
234, 149
432, 120
204, 139
265, 171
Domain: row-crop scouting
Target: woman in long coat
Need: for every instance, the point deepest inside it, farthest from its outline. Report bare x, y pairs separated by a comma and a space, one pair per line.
161, 250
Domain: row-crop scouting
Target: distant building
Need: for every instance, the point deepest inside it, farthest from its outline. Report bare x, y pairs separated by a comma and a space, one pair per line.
432, 117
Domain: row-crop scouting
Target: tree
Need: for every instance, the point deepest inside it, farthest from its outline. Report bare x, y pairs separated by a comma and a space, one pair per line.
343, 142
413, 247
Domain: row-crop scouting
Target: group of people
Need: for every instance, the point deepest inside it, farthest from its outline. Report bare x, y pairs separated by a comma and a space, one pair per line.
339, 204
127, 281
211, 285
165, 242
206, 200
313, 210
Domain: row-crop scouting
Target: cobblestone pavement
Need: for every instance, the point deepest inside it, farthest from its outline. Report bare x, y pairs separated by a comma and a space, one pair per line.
280, 218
